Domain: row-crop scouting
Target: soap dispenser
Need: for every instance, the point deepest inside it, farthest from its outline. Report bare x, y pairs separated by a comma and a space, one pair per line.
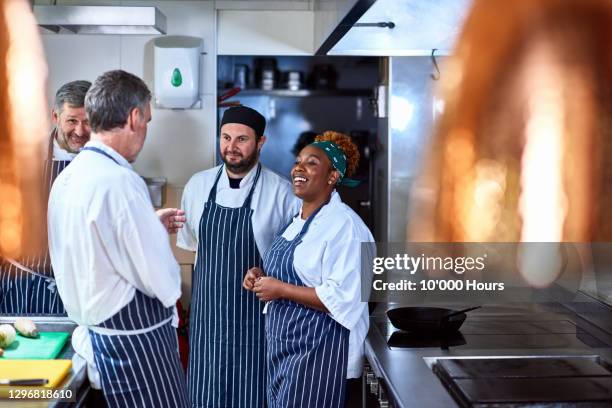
177, 69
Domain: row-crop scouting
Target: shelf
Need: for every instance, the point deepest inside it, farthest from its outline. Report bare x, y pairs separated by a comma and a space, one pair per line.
300, 93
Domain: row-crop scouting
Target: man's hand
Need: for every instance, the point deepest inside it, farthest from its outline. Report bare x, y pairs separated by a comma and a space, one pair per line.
268, 288
251, 277
172, 219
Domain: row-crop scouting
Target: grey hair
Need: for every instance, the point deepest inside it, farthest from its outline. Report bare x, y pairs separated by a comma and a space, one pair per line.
112, 97
72, 93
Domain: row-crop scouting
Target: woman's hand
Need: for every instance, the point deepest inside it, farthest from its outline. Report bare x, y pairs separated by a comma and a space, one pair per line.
251, 276
172, 219
268, 288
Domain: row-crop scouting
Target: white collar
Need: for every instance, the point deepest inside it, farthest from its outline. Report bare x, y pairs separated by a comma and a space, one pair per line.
246, 180
110, 151
333, 201
60, 154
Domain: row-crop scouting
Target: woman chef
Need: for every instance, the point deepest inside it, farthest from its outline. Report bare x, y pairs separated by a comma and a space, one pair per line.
315, 321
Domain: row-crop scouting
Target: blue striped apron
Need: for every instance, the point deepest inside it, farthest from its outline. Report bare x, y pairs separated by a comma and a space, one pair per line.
144, 369
307, 350
139, 369
227, 339
25, 293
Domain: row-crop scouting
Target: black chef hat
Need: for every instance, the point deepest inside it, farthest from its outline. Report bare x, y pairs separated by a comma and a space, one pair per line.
245, 116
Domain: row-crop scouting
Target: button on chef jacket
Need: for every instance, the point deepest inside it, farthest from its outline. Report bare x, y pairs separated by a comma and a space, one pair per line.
273, 202
105, 239
329, 259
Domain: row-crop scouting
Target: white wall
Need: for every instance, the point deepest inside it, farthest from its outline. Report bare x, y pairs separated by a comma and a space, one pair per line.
284, 32
179, 143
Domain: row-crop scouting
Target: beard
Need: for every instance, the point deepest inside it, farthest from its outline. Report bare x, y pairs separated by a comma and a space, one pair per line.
63, 140
243, 165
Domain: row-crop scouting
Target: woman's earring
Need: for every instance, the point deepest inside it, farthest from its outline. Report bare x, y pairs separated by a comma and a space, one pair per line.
329, 181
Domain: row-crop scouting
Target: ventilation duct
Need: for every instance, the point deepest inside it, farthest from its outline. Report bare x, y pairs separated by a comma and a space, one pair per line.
101, 19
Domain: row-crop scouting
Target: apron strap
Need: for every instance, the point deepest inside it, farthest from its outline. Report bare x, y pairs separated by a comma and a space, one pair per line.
309, 220
282, 231
212, 195
247, 202
48, 165
102, 152
52, 137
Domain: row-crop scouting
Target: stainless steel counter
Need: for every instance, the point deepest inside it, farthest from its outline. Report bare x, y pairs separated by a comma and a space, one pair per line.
76, 380
521, 330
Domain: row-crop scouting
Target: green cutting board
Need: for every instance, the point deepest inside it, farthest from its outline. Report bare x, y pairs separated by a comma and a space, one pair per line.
47, 345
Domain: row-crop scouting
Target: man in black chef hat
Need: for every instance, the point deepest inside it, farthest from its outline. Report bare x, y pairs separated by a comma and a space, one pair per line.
233, 212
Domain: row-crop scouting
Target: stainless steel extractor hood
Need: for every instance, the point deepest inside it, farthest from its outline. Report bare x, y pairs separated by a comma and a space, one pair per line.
418, 27
101, 19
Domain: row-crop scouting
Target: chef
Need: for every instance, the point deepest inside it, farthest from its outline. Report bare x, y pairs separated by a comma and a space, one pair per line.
115, 270
316, 322
233, 213
27, 285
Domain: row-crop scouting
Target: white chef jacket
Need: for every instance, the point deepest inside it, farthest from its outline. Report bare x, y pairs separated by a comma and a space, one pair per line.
84, 355
105, 239
59, 153
329, 259
273, 204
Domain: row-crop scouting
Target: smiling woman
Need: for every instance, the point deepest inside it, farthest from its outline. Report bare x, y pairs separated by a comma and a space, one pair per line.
312, 272
23, 74
322, 165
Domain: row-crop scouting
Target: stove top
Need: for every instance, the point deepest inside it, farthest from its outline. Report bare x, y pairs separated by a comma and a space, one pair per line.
527, 381
405, 362
507, 334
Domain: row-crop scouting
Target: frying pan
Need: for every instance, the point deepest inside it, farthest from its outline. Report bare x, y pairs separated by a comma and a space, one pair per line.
427, 319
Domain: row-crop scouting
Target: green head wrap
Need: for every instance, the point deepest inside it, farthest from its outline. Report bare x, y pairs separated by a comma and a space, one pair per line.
338, 159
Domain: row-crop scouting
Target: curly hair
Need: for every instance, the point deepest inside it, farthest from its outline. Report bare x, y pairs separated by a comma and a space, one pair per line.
345, 143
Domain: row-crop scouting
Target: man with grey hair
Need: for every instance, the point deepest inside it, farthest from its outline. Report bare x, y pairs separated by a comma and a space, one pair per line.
115, 269
27, 285
71, 130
